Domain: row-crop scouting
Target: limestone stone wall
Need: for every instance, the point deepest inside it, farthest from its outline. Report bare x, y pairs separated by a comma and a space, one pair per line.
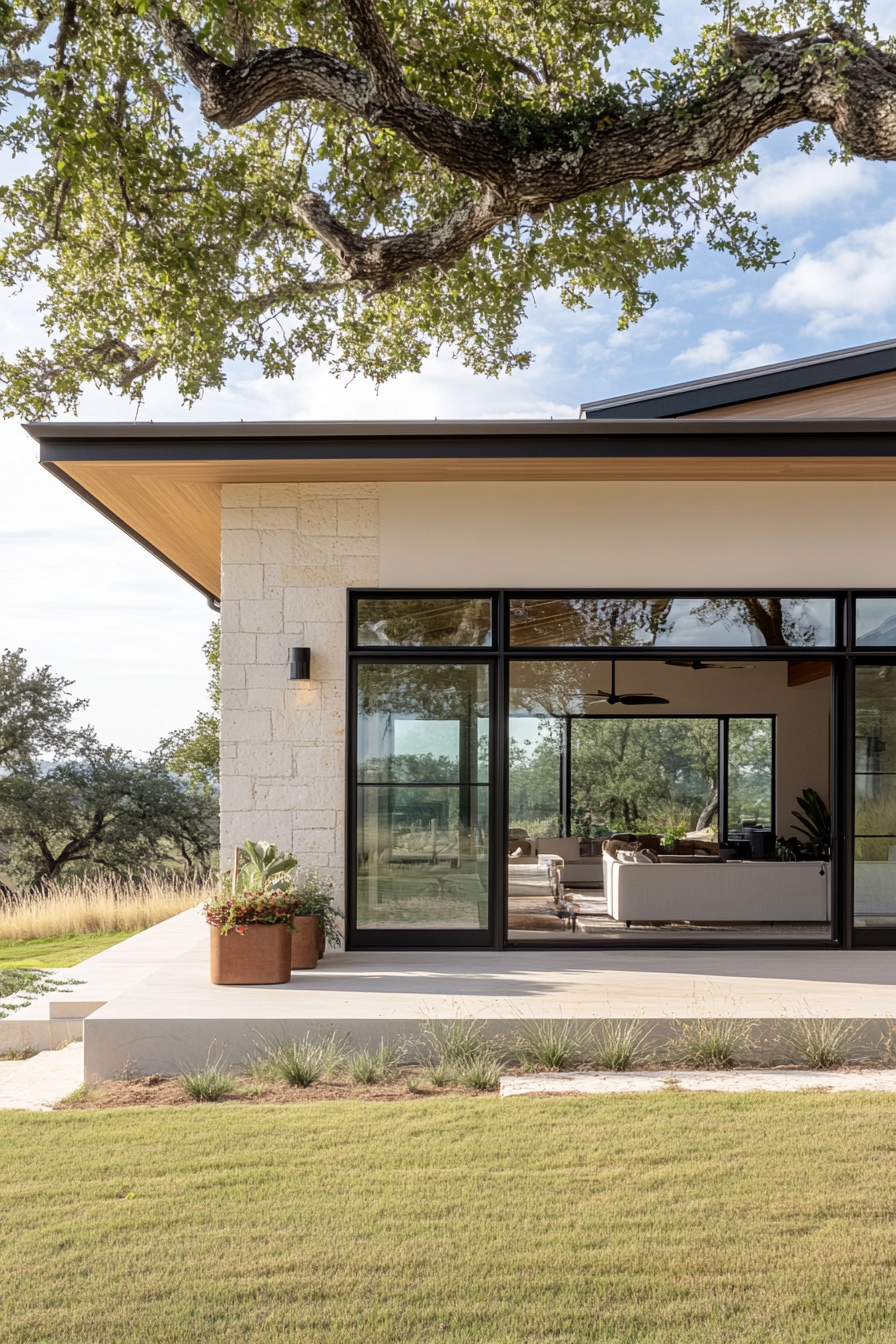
288, 553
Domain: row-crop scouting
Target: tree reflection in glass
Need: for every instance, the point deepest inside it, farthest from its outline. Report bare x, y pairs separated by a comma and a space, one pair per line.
424, 622
680, 622
423, 800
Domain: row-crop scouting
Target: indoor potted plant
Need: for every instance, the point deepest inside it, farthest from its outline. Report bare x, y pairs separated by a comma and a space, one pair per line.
251, 926
314, 904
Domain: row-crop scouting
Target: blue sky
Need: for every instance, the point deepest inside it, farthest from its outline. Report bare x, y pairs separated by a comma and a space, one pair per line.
77, 594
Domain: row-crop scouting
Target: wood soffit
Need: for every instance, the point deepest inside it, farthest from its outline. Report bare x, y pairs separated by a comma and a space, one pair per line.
161, 483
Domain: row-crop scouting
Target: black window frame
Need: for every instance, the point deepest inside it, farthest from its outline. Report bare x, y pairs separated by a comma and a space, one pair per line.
843, 656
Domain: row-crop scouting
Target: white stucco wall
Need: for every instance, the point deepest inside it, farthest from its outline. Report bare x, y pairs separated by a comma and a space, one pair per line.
288, 553
627, 533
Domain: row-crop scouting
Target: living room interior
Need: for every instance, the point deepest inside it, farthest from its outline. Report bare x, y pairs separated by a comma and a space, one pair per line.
692, 766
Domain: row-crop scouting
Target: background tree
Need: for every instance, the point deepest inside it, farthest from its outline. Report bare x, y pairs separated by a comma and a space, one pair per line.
67, 803
195, 752
645, 774
105, 811
363, 180
35, 714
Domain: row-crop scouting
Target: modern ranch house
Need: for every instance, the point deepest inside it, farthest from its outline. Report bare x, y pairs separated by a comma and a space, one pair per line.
555, 683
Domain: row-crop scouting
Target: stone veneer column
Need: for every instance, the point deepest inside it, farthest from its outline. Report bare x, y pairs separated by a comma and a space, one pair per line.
288, 553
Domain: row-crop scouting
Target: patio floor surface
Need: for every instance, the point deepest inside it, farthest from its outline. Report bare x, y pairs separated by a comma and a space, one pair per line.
147, 1004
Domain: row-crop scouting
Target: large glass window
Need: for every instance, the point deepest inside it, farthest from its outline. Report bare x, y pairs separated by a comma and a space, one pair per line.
653, 775
687, 726
876, 622
673, 622
424, 622
875, 790
423, 796
536, 761
750, 774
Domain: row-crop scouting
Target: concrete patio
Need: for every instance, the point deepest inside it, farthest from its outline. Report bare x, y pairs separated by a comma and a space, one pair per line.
148, 1005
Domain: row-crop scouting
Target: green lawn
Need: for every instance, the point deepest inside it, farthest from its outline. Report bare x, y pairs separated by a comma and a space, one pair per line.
58, 952
674, 1218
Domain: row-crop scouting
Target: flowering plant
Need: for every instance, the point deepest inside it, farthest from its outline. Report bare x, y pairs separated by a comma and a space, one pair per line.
251, 907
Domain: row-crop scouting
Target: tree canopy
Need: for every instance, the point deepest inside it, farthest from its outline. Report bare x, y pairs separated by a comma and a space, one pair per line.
365, 180
69, 803
194, 753
35, 714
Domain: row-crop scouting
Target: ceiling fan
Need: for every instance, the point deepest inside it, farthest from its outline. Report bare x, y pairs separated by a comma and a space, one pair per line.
696, 665
611, 698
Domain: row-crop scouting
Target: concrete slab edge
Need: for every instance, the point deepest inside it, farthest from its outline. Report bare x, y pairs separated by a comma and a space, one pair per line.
39, 1033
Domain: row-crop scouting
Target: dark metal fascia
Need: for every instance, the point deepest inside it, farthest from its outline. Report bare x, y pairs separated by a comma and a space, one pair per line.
624, 439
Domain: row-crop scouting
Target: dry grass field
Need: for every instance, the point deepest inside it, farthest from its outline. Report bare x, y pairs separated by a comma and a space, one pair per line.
98, 905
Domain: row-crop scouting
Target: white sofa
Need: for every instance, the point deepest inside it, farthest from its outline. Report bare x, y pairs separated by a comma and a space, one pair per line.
733, 892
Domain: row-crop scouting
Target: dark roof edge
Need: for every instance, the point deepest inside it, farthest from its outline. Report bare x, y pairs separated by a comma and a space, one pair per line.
769, 380
421, 431
579, 439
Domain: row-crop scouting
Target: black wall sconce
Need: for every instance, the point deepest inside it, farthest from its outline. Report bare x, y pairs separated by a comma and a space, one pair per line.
300, 664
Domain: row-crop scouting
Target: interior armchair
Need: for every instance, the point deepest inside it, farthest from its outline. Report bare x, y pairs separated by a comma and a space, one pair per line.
577, 869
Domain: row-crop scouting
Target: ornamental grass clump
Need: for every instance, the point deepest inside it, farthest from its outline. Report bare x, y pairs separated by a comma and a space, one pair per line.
209, 1083
365, 1067
551, 1045
460, 1053
303, 1062
483, 1073
820, 1042
707, 1043
616, 1044
454, 1044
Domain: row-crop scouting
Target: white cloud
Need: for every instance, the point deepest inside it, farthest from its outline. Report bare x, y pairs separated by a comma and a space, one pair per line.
849, 282
800, 185
653, 330
698, 289
716, 351
755, 357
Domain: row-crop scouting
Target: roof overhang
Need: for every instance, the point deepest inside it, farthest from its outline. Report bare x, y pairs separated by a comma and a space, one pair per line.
161, 483
745, 385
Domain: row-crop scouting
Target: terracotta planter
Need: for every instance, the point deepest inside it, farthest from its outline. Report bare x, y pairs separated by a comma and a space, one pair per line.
304, 942
321, 940
258, 956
